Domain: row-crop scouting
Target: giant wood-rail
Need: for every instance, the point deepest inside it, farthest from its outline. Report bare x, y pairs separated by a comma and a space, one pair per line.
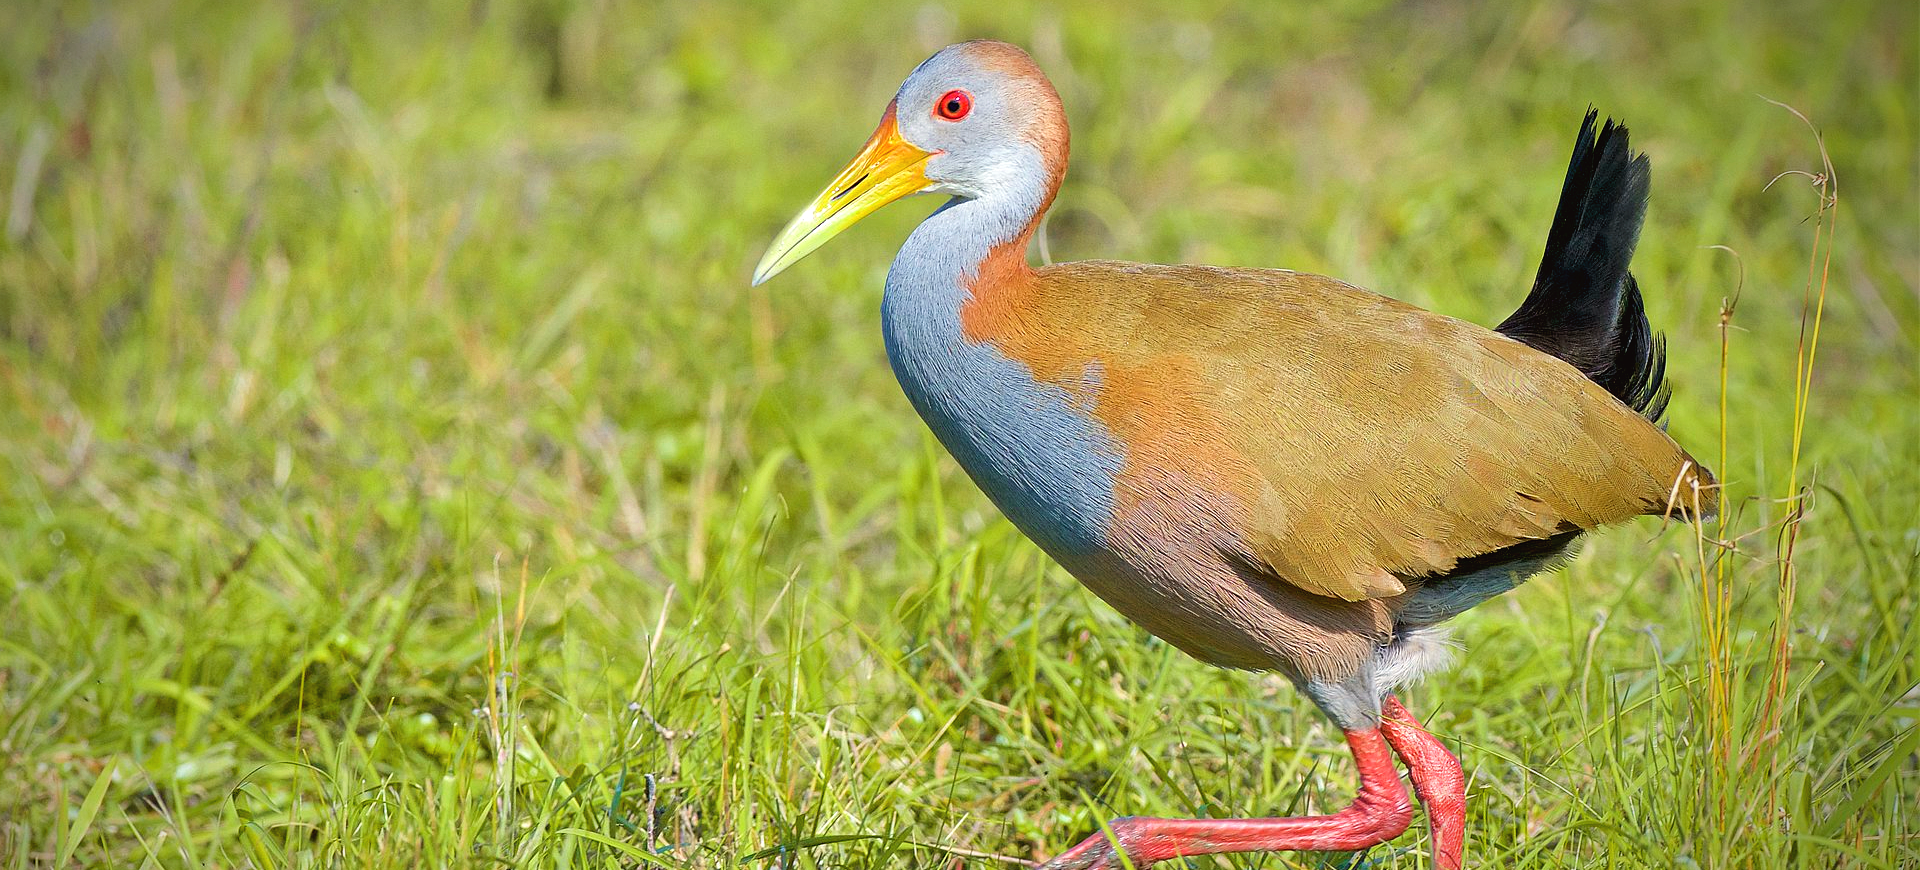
1270, 470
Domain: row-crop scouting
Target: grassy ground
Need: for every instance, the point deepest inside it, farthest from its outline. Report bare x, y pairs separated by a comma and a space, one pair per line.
396, 470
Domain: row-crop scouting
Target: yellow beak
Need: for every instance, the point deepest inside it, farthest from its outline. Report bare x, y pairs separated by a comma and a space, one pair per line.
887, 169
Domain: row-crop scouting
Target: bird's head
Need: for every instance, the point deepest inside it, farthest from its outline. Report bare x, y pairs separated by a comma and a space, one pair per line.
975, 118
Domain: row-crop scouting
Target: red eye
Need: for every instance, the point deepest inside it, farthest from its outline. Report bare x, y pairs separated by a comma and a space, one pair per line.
954, 106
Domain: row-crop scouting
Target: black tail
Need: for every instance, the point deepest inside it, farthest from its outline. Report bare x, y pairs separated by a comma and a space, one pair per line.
1585, 307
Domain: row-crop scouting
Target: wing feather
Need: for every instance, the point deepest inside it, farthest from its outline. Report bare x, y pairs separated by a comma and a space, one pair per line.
1363, 440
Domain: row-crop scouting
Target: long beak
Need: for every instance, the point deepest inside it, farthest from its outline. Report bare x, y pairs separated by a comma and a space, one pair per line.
887, 169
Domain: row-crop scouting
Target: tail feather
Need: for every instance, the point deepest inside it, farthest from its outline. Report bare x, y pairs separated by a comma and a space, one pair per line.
1585, 307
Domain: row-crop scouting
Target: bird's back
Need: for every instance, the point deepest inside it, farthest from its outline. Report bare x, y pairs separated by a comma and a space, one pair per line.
1350, 440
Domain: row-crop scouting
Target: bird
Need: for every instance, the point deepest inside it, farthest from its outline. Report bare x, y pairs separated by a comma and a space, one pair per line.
1270, 470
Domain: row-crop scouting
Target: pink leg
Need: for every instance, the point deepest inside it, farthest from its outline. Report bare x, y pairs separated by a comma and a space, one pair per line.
1378, 814
1437, 779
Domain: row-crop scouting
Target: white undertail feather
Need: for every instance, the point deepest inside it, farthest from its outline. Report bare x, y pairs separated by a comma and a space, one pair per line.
1415, 653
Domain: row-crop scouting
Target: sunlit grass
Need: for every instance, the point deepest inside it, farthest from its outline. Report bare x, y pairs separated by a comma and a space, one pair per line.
398, 470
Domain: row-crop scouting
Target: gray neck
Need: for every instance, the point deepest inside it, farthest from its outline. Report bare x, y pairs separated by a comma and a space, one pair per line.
944, 253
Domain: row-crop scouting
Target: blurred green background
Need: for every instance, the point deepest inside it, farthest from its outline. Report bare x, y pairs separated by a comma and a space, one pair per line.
397, 470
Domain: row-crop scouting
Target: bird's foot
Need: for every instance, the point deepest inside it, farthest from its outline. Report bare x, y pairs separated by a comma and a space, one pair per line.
1437, 779
1378, 814
1097, 852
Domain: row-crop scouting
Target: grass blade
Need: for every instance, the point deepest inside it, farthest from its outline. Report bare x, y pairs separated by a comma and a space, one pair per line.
627, 849
89, 808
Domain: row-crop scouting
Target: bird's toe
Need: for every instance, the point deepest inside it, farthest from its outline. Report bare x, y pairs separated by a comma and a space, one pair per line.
1098, 853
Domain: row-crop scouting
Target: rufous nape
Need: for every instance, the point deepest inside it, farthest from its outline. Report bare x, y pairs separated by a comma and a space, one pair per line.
1270, 470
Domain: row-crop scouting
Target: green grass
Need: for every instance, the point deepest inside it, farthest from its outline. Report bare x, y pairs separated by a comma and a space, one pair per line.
396, 470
